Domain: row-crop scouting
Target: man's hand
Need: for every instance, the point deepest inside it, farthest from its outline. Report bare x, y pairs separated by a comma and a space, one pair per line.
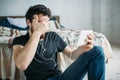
38, 26
81, 49
89, 44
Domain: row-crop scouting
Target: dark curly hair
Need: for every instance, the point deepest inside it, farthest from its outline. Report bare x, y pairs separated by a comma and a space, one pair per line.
37, 9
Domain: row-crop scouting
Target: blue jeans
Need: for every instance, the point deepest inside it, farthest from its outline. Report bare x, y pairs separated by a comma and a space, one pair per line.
92, 62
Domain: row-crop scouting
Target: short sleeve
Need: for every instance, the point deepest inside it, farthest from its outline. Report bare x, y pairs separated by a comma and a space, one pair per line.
21, 40
60, 43
17, 41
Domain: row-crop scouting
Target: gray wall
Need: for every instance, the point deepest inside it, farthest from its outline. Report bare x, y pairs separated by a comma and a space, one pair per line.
75, 14
115, 32
100, 15
97, 15
106, 18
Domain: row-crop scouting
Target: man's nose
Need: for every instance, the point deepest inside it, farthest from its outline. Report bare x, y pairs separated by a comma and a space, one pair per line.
40, 19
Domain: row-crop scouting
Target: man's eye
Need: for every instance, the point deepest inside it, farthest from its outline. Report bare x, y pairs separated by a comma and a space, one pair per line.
44, 14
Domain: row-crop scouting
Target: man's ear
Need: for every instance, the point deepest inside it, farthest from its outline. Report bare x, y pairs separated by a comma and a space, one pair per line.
28, 23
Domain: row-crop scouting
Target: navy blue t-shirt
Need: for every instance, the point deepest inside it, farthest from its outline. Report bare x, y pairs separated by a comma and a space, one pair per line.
44, 63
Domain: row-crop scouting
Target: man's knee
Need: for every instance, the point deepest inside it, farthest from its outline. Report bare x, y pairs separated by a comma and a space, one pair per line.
99, 51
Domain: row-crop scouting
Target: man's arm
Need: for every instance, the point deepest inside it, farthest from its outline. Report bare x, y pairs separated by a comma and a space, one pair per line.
73, 54
23, 55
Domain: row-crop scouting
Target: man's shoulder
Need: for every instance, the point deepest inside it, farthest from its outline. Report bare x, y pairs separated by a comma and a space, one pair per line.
52, 34
21, 39
22, 36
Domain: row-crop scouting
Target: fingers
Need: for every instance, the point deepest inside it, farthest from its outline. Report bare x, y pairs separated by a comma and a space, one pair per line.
35, 19
89, 41
46, 20
90, 36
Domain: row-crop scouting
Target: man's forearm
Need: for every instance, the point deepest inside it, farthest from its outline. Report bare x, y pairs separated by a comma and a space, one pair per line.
76, 53
26, 54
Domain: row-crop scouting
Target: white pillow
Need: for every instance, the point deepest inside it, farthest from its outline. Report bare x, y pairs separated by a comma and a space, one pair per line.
21, 22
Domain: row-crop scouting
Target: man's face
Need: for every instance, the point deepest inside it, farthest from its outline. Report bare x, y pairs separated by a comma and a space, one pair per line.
38, 19
41, 17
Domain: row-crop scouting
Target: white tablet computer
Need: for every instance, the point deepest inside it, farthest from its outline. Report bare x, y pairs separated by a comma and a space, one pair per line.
83, 36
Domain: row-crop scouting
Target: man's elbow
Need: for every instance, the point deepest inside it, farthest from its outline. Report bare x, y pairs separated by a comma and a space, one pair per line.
22, 67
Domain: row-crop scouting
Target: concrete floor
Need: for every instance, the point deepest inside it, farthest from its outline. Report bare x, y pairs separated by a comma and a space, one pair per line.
113, 66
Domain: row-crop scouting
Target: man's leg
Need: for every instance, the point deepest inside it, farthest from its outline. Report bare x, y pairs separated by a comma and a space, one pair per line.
96, 70
92, 61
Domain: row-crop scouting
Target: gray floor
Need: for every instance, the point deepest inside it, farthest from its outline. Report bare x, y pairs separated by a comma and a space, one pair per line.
113, 65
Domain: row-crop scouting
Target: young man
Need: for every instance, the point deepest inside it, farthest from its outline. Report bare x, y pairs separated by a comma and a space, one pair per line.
36, 52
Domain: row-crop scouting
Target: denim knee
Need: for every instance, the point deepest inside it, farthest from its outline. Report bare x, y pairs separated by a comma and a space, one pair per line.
99, 51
